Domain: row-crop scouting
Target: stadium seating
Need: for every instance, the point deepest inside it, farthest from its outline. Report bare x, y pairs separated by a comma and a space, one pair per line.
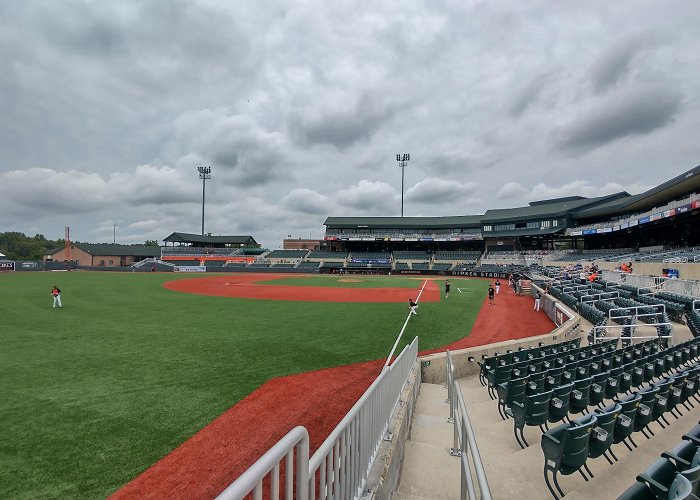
410, 255
308, 265
327, 254
286, 254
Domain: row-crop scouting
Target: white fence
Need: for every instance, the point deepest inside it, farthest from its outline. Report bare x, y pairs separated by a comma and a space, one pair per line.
338, 470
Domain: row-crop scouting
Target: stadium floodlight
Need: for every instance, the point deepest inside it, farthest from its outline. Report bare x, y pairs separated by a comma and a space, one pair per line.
204, 174
403, 161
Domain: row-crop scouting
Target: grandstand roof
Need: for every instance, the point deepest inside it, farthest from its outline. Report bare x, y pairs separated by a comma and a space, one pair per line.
113, 249
685, 183
547, 208
210, 240
407, 222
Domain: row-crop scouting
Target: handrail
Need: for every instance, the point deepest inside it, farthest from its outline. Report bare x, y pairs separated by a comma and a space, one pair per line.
632, 336
464, 440
251, 481
340, 466
344, 459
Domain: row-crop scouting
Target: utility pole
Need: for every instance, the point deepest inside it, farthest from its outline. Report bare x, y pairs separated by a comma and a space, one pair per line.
114, 233
204, 174
403, 161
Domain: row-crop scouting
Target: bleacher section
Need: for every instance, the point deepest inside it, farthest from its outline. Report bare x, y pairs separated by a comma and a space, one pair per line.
286, 254
457, 257
308, 265
441, 266
410, 255
593, 397
325, 254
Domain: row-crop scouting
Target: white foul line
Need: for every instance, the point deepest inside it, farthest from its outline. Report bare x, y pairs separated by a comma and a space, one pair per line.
388, 359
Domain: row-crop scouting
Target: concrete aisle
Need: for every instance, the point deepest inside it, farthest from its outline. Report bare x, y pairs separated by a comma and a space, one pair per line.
429, 471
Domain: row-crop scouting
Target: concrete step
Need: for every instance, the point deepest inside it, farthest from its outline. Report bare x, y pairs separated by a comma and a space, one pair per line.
429, 471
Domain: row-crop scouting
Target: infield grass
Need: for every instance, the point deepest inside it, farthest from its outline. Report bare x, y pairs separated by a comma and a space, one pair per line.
96, 392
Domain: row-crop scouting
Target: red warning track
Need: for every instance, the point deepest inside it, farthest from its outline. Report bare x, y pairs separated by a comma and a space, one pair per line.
250, 287
207, 463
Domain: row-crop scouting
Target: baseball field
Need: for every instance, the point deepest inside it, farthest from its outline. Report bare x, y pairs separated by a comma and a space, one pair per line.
133, 365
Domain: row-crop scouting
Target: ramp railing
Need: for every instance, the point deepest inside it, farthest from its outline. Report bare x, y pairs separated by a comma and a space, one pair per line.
340, 466
251, 481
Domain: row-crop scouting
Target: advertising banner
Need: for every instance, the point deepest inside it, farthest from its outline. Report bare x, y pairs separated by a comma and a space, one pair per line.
644, 220
683, 209
190, 269
7, 265
590, 231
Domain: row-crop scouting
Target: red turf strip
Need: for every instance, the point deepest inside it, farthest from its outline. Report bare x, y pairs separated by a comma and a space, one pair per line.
208, 462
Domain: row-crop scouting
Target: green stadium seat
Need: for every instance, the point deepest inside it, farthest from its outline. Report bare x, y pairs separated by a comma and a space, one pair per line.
566, 450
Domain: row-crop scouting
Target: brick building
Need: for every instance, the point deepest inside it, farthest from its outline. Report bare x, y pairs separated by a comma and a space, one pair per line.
103, 254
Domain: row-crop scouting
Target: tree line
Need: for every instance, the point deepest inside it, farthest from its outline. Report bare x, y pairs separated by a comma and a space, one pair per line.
19, 246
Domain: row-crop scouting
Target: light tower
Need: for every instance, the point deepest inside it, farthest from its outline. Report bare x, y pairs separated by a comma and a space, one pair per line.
204, 174
403, 161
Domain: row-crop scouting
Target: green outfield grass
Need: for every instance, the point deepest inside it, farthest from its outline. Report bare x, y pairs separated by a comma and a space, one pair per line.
96, 392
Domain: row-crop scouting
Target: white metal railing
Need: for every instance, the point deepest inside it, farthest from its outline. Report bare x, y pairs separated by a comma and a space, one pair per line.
340, 466
251, 481
593, 297
464, 445
600, 332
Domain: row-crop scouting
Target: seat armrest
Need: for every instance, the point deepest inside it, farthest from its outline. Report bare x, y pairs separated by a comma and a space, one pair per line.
643, 409
577, 394
678, 460
625, 421
557, 403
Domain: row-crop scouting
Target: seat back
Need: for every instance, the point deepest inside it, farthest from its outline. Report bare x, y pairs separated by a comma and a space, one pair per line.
516, 391
645, 408
537, 408
604, 431
581, 395
624, 425
576, 445
559, 404
661, 476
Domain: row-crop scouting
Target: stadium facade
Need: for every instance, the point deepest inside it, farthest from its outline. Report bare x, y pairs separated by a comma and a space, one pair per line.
664, 215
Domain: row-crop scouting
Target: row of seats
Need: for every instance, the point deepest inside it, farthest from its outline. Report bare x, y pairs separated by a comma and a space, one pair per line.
581, 382
488, 363
676, 475
567, 447
503, 368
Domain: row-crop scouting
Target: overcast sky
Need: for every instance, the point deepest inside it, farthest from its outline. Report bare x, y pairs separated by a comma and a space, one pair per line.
300, 107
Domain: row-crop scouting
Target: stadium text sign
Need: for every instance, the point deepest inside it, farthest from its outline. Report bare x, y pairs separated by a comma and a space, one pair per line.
7, 265
482, 274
